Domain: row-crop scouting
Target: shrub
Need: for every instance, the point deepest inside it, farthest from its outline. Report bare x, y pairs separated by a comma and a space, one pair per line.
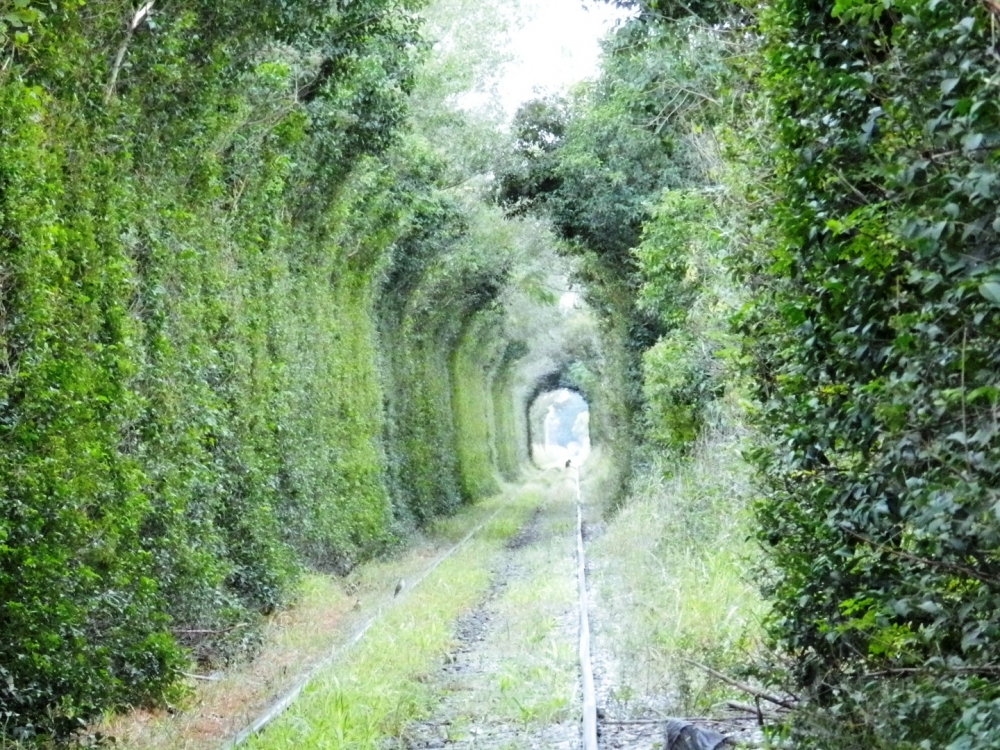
876, 336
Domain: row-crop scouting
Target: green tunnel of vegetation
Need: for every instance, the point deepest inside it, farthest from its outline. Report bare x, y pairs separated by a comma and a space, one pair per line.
270, 300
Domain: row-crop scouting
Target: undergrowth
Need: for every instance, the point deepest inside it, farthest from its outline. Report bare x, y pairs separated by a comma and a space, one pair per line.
382, 684
676, 566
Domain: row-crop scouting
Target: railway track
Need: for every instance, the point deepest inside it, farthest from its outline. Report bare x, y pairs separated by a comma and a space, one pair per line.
285, 701
468, 713
589, 730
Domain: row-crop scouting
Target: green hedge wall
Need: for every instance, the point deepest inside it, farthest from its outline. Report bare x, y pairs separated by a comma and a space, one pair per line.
437, 283
72, 560
876, 341
473, 368
200, 393
511, 446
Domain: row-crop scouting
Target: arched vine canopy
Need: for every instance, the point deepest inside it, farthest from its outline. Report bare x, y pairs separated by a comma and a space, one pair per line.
273, 296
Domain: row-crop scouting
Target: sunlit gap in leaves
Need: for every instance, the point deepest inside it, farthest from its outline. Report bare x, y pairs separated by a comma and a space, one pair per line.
560, 421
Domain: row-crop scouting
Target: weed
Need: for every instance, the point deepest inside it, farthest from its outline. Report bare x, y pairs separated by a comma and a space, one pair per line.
383, 684
672, 570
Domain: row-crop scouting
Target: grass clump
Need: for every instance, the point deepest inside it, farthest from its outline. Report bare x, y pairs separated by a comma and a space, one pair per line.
536, 684
674, 571
382, 684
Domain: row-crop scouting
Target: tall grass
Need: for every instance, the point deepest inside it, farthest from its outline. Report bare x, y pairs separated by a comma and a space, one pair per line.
384, 683
674, 569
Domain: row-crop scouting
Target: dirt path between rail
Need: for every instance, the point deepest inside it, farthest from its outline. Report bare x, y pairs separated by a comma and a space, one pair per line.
512, 680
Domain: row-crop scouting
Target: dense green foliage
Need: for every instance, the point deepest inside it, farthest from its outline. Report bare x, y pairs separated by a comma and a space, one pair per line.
203, 210
255, 315
625, 172
876, 335
508, 441
855, 190
440, 289
475, 421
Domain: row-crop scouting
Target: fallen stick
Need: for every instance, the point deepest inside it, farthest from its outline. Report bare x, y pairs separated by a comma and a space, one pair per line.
230, 629
205, 678
750, 690
754, 710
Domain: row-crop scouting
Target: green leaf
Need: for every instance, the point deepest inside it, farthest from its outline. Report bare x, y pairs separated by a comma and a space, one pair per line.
971, 141
986, 392
966, 24
948, 84
991, 292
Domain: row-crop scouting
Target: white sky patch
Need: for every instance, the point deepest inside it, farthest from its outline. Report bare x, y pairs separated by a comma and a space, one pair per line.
565, 430
568, 302
556, 45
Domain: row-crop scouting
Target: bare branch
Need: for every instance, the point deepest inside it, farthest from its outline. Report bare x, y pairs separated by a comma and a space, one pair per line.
137, 20
211, 632
944, 564
205, 678
987, 669
744, 687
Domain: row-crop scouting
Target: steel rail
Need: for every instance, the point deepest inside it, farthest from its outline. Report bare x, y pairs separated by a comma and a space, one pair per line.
586, 668
282, 704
